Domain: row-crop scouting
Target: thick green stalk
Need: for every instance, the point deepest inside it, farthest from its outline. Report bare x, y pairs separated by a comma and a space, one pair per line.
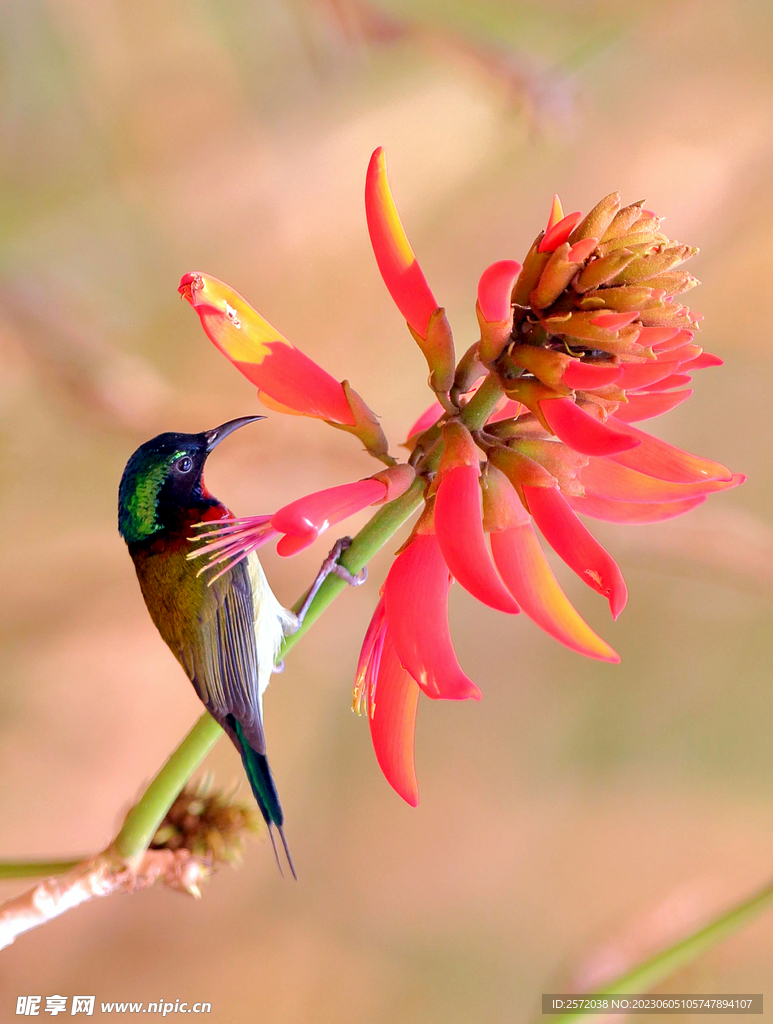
644, 976
148, 813
483, 402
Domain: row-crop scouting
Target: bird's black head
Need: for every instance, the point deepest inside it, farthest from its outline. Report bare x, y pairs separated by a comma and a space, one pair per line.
163, 480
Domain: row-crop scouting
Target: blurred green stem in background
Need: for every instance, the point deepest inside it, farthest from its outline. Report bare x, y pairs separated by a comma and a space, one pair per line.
644, 976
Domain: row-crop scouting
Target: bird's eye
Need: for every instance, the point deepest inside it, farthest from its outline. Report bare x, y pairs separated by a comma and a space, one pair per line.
185, 464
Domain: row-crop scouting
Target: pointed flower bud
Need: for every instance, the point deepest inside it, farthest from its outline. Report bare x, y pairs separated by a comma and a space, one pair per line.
494, 308
403, 276
559, 227
595, 223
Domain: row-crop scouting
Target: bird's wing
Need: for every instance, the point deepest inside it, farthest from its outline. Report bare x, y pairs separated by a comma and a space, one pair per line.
221, 656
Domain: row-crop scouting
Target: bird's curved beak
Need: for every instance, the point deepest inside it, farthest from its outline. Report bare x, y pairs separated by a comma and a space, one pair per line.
217, 434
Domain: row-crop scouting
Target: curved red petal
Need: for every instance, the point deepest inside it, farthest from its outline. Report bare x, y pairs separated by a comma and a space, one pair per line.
291, 544
674, 380
646, 407
582, 431
676, 340
393, 724
401, 273
262, 354
586, 376
614, 321
665, 462
427, 419
574, 543
314, 513
633, 512
376, 626
495, 288
603, 478
459, 528
558, 233
416, 595
652, 337
520, 560
581, 250
701, 362
640, 375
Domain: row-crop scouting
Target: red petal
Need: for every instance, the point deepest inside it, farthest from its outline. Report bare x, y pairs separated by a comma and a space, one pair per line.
376, 627
495, 288
682, 337
645, 407
393, 724
556, 213
675, 380
416, 595
558, 233
634, 512
427, 419
657, 336
401, 273
701, 362
640, 375
462, 540
665, 462
604, 478
572, 542
262, 354
582, 431
582, 250
520, 560
614, 321
587, 376
306, 518
369, 660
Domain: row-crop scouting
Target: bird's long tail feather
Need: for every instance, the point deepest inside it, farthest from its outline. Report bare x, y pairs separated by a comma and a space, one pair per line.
264, 790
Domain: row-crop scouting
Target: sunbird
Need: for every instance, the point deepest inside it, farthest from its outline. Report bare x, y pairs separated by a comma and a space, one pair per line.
226, 631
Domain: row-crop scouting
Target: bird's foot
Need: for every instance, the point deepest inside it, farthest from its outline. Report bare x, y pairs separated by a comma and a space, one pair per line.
332, 564
279, 667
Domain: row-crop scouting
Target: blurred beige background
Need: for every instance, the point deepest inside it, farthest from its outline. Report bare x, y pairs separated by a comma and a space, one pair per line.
581, 813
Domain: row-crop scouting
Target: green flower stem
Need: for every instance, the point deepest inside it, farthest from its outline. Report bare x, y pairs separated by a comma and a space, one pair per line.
483, 403
145, 817
650, 972
37, 868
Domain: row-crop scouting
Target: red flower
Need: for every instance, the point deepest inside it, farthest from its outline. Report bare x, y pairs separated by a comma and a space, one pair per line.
287, 380
534, 426
285, 376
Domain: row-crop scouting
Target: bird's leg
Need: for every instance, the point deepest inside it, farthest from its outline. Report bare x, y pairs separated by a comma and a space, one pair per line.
331, 565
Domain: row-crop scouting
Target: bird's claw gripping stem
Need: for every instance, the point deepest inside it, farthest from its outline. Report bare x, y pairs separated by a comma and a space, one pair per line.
331, 565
